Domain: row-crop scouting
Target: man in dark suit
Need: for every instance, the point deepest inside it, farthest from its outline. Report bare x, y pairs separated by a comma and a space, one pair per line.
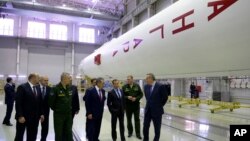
116, 107
9, 90
94, 105
93, 83
192, 90
28, 109
75, 100
45, 91
156, 98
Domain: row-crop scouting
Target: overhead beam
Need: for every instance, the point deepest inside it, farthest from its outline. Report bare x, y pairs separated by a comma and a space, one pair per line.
62, 10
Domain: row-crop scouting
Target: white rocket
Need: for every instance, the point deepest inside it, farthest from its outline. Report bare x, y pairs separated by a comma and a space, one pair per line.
190, 38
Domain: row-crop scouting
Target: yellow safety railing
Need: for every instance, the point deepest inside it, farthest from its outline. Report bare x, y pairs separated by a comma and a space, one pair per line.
219, 105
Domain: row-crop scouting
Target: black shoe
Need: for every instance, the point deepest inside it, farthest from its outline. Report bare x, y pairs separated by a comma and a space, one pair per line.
8, 124
139, 137
129, 135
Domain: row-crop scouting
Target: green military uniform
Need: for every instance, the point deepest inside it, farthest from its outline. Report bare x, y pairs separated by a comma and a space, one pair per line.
133, 107
60, 101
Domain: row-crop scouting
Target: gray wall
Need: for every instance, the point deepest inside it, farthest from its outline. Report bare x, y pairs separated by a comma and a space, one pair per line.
240, 95
162, 4
8, 56
143, 16
131, 5
178, 87
129, 25
44, 57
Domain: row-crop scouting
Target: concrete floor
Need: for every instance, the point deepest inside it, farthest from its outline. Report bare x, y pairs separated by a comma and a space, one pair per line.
189, 123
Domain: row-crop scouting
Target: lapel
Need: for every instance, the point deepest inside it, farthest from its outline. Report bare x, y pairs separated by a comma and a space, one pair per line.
147, 91
47, 90
29, 88
154, 89
97, 94
38, 89
114, 92
121, 93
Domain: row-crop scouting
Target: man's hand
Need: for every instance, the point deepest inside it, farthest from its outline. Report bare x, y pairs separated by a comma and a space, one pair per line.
130, 97
21, 119
133, 99
42, 118
90, 116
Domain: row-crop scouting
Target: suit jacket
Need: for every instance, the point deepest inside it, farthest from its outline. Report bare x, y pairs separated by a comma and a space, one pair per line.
93, 103
9, 93
86, 94
156, 100
45, 99
192, 89
115, 104
27, 104
75, 99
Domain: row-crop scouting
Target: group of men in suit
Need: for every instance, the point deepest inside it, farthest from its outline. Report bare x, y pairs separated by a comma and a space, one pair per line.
125, 99
32, 105
35, 98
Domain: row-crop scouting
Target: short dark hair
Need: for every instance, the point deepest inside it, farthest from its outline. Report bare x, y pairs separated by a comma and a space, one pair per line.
31, 76
130, 76
113, 81
8, 79
151, 75
92, 80
64, 74
99, 79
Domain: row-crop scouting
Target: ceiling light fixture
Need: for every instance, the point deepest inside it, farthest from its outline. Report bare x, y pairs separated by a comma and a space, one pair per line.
94, 1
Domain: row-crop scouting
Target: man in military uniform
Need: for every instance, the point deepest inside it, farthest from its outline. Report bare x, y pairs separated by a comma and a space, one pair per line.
60, 102
133, 94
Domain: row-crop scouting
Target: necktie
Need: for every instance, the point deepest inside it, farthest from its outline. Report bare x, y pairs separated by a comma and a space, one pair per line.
100, 94
118, 93
34, 90
43, 92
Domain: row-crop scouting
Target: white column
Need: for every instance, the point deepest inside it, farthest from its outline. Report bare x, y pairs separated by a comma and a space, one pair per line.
151, 10
73, 51
73, 59
18, 46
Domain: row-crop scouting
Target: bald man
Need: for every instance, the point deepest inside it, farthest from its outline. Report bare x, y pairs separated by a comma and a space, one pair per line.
156, 97
45, 91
